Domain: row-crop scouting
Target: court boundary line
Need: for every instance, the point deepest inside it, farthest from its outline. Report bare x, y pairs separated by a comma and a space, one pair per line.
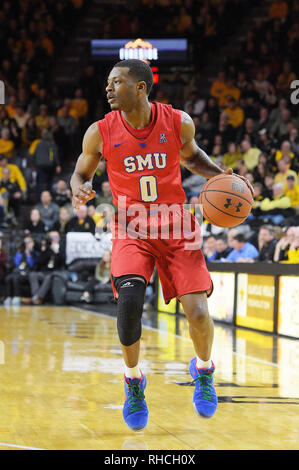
20, 447
261, 361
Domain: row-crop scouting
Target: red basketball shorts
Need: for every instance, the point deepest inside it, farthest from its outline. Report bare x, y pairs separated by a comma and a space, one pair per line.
180, 263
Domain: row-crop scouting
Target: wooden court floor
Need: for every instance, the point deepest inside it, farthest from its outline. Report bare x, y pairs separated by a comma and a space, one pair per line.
61, 385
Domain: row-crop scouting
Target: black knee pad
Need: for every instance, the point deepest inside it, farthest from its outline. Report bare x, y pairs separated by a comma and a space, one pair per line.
129, 310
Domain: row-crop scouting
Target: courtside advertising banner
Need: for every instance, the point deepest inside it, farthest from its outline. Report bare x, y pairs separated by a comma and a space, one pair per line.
288, 306
255, 301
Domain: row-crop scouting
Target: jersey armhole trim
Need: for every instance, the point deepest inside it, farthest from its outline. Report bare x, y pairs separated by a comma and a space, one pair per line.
104, 131
176, 120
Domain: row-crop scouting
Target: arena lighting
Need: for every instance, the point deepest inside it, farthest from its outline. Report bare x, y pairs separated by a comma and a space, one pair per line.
138, 49
155, 71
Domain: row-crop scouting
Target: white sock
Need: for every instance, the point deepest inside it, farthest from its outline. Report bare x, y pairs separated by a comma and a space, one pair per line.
203, 364
133, 372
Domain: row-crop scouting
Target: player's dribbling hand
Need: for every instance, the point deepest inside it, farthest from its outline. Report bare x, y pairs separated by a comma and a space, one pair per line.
84, 194
229, 171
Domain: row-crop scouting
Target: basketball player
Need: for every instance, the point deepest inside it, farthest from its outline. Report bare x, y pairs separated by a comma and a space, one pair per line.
143, 144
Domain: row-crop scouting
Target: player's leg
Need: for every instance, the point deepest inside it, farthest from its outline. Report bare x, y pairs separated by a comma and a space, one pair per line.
201, 326
183, 274
201, 367
131, 292
129, 289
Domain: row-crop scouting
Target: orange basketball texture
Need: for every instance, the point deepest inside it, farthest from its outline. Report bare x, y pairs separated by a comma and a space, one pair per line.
226, 200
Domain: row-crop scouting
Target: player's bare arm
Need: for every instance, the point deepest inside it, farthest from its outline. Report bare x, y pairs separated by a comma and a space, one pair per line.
81, 180
194, 158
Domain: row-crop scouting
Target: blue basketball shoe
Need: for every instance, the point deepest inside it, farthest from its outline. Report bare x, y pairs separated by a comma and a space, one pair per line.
204, 397
135, 410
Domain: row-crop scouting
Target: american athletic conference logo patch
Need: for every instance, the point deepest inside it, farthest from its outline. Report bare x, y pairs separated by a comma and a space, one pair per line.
162, 139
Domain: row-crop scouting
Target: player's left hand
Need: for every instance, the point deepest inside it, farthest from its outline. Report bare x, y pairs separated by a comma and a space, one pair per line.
229, 171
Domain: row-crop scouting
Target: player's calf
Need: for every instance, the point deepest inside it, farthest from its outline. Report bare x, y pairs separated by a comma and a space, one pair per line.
131, 294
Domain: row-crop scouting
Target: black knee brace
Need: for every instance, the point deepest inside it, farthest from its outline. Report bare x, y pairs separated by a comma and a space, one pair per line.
129, 310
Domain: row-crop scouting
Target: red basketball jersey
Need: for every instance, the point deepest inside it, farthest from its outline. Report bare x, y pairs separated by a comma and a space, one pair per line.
144, 167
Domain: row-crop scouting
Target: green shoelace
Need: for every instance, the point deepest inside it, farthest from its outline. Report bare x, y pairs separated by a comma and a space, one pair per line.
206, 383
135, 397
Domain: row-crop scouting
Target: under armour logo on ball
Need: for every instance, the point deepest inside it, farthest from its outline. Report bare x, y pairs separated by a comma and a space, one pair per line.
162, 138
236, 206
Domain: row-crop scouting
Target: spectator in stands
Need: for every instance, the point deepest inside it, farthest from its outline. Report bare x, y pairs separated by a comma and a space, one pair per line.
255, 213
265, 143
293, 251
102, 275
42, 119
242, 250
279, 128
284, 152
230, 91
277, 209
231, 157
68, 124
11, 108
15, 173
283, 172
64, 218
294, 140
58, 135
21, 117
260, 172
49, 260
266, 243
195, 104
3, 261
291, 190
95, 215
7, 146
222, 248
250, 154
24, 261
248, 132
12, 190
62, 194
100, 176
34, 224
218, 86
261, 85
106, 196
235, 113
225, 129
49, 211
285, 78
81, 222
283, 245
263, 123
210, 248
3, 208
30, 132
79, 104
46, 161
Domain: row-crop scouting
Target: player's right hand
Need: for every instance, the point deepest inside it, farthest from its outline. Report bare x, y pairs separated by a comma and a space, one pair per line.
83, 194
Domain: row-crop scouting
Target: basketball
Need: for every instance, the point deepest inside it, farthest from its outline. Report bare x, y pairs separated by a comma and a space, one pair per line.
226, 200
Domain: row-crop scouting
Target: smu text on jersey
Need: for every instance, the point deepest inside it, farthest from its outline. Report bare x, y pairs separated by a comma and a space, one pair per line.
149, 162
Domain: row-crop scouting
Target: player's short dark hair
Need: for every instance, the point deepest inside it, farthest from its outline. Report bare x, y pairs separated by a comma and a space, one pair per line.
240, 238
140, 70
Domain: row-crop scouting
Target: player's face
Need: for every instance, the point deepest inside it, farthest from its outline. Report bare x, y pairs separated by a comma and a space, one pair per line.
122, 89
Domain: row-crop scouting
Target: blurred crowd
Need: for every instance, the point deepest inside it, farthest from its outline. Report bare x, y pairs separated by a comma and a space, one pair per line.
247, 122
